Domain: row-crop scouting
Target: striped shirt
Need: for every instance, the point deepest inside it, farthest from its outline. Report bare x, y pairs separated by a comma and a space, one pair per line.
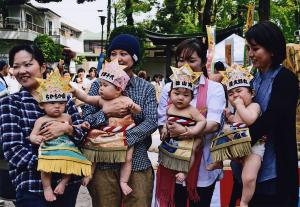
143, 94
18, 113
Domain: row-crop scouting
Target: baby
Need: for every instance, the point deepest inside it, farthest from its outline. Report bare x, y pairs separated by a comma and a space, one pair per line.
240, 94
113, 81
181, 111
56, 155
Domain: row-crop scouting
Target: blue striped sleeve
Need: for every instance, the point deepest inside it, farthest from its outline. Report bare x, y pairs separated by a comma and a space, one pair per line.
12, 136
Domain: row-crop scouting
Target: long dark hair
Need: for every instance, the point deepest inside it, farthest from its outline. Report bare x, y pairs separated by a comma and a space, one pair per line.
188, 47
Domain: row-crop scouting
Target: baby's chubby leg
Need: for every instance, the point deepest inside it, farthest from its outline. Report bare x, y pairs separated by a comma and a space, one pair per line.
125, 172
60, 188
48, 192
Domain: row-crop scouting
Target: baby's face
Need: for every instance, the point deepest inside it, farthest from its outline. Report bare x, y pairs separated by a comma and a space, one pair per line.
54, 109
243, 93
108, 90
181, 97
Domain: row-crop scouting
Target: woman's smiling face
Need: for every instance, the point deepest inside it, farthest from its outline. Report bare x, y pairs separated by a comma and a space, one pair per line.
26, 69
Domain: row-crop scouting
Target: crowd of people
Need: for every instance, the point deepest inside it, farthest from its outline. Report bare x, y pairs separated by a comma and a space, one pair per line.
123, 109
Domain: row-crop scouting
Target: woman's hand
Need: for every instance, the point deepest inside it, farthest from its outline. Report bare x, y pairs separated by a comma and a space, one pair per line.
176, 130
55, 129
116, 109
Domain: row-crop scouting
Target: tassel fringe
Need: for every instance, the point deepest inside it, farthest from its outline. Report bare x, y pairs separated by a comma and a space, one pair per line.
105, 156
231, 150
173, 163
64, 167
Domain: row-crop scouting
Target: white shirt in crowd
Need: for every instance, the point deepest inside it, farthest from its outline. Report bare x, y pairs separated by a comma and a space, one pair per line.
13, 85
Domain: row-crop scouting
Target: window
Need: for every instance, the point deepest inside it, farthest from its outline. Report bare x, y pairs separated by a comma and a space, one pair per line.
50, 27
29, 21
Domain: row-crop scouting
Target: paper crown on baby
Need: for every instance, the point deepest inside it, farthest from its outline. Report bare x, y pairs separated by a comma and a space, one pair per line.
54, 88
236, 76
114, 73
184, 77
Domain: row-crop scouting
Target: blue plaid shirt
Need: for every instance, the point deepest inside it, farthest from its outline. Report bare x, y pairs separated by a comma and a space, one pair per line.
143, 94
18, 112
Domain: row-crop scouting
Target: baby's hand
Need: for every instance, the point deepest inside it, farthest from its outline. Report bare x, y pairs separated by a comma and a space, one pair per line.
36, 139
238, 101
227, 113
85, 125
131, 106
164, 133
73, 87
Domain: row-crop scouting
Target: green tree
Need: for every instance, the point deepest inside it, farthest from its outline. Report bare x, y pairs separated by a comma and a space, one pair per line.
52, 52
264, 9
176, 16
108, 18
127, 8
78, 1
284, 13
189, 16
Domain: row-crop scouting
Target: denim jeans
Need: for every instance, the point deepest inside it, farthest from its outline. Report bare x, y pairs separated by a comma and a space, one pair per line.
29, 199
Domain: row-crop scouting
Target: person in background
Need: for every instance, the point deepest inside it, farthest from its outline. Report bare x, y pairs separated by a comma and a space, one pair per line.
161, 80
19, 112
81, 80
277, 93
157, 85
209, 98
104, 187
217, 76
91, 77
4, 68
142, 74
13, 85
92, 74
66, 74
47, 72
61, 66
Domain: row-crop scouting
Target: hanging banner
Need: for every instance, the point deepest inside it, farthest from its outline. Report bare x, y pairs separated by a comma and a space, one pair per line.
249, 23
250, 16
229, 53
211, 38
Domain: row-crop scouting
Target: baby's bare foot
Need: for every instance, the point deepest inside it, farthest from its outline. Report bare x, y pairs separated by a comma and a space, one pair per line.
86, 180
180, 177
60, 188
125, 188
214, 166
49, 195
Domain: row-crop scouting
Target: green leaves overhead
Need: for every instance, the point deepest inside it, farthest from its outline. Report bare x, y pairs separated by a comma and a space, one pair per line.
189, 16
47, 1
52, 52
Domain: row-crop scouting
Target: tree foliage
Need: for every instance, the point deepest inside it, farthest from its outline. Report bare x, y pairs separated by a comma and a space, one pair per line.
189, 16
126, 9
52, 52
48, 1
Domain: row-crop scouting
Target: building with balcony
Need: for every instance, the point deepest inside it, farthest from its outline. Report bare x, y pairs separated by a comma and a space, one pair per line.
25, 22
